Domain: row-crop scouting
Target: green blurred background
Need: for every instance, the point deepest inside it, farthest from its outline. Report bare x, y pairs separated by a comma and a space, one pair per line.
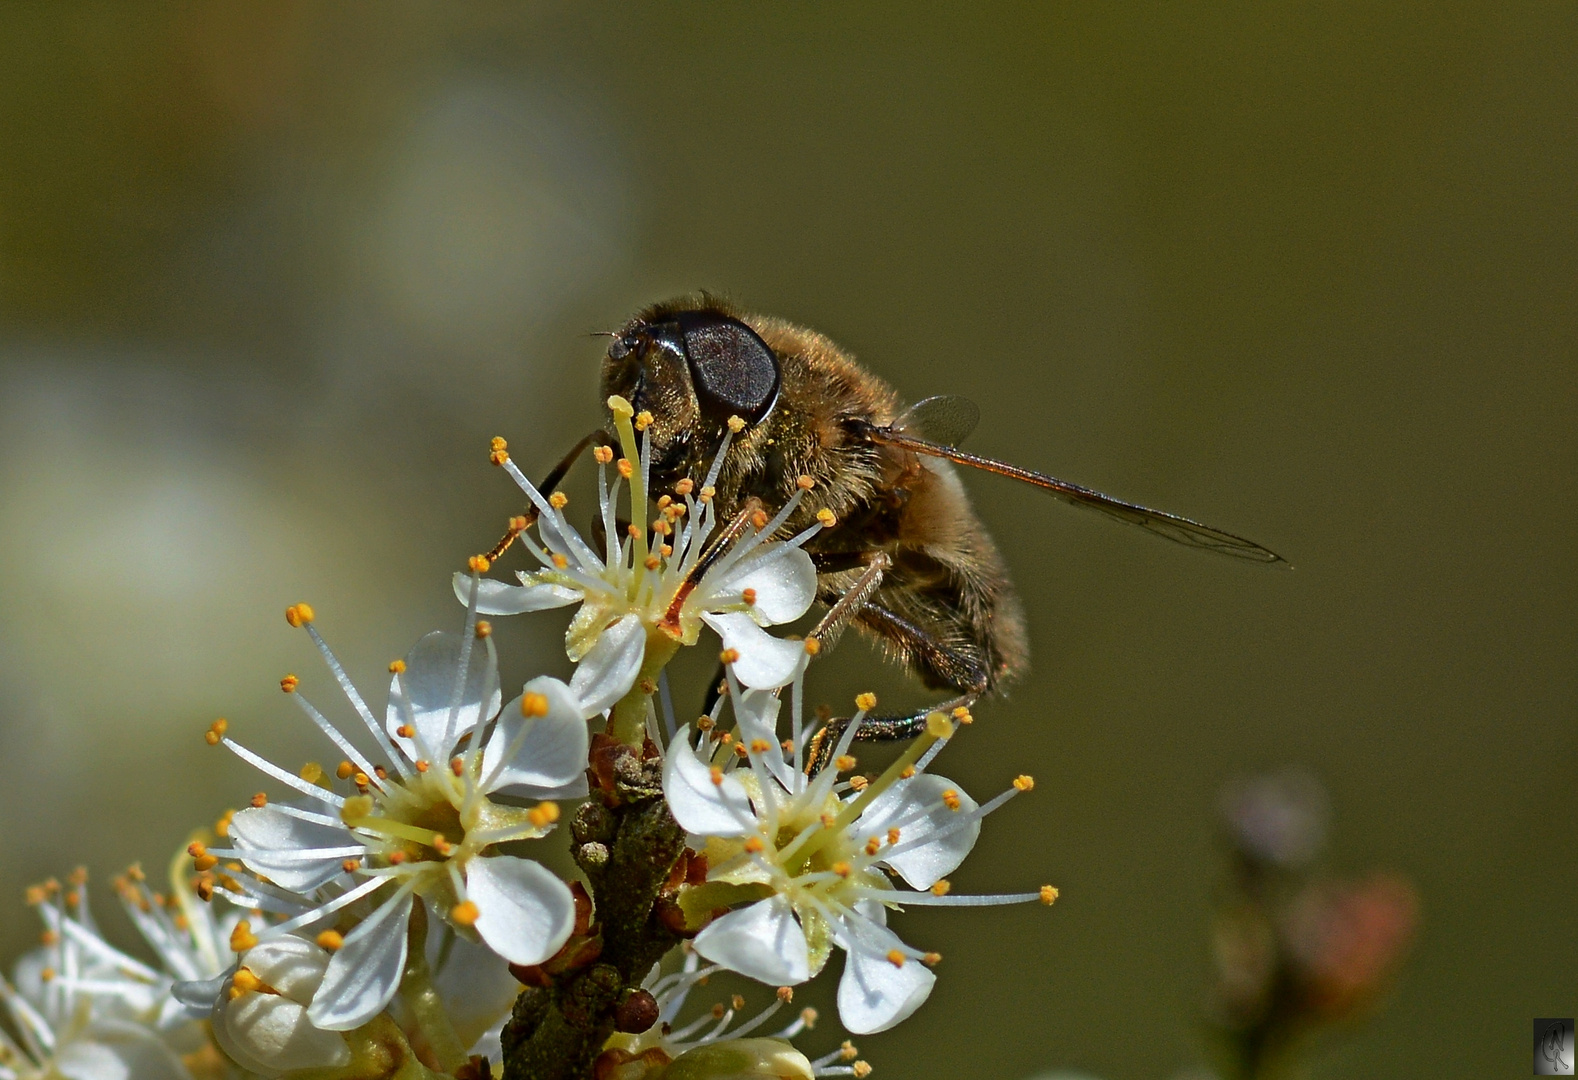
271, 275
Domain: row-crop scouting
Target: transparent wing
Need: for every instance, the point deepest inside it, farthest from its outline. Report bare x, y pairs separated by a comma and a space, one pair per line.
1180, 530
946, 419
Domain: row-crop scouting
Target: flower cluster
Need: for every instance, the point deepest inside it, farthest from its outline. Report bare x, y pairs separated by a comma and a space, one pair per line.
405, 910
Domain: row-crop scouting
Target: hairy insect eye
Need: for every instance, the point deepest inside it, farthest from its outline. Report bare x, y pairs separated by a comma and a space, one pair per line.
733, 370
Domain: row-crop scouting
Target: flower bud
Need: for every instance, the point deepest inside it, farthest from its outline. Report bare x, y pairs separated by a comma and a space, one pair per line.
741, 1059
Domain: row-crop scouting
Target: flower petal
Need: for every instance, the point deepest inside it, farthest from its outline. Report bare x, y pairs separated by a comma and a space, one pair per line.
502, 598
294, 966
765, 662
265, 829
271, 1035
762, 941
701, 805
473, 981
609, 670
874, 994
365, 973
756, 713
539, 757
422, 696
111, 1050
784, 579
527, 912
916, 808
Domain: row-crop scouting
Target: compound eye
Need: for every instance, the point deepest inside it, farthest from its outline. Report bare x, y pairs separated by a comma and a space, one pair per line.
734, 372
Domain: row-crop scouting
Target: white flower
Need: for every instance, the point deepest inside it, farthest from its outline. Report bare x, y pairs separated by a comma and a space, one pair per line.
81, 1009
425, 826
805, 857
650, 589
260, 1013
713, 1046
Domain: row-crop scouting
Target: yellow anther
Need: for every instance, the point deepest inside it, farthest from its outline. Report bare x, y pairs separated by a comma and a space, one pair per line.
749, 596
478, 564
736, 424
483, 629
950, 799
907, 772
219, 726
560, 560
865, 702
717, 776
498, 457
621, 408
662, 528
940, 888
785, 994
740, 751
330, 940
396, 667
847, 1051
893, 836
652, 562
805, 483
842, 869
827, 518
380, 772
396, 858
858, 783
754, 845
298, 615
202, 861
827, 820
289, 684
242, 938
603, 455
665, 550
221, 828
932, 959
311, 772
543, 814
442, 845
360, 780
808, 1018
643, 420
860, 1070
355, 809
558, 500
245, 980
896, 958
534, 704
465, 913
626, 469
350, 866
759, 520
1024, 782
705, 723
708, 492
685, 486
344, 770
518, 523
259, 801
422, 765
1048, 895
844, 762
729, 656
405, 731
718, 1010
211, 737
788, 746
760, 746
938, 726
498, 443
457, 766
738, 1002
812, 646
873, 846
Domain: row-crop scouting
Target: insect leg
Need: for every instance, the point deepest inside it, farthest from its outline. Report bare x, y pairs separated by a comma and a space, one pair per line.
849, 606
549, 482
956, 667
